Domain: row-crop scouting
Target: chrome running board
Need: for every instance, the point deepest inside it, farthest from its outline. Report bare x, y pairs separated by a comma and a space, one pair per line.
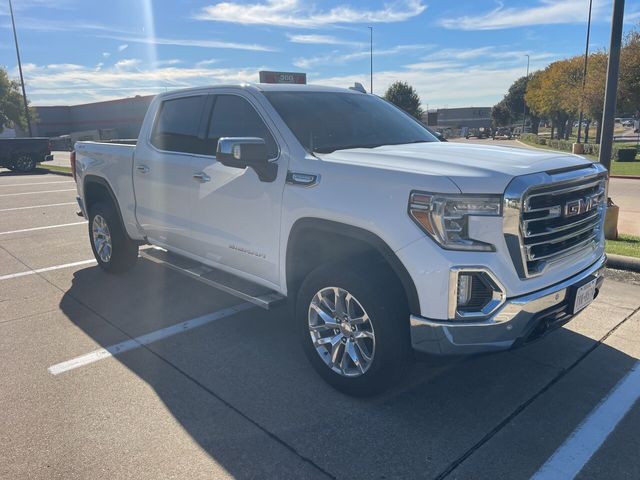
214, 277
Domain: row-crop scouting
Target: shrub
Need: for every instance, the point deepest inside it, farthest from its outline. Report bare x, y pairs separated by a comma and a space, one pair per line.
542, 141
626, 154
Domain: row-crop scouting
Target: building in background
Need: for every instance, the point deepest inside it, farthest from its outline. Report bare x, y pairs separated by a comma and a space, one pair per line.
117, 118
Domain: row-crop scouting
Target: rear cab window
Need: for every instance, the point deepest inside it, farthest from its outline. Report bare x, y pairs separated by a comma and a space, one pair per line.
177, 124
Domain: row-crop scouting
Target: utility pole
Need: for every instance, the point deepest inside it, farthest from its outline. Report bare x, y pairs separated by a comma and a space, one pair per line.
24, 95
371, 57
524, 108
611, 89
584, 74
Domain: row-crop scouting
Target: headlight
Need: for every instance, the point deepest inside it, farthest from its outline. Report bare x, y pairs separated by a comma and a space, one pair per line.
445, 218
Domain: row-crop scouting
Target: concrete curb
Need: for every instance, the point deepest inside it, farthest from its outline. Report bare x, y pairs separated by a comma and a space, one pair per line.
630, 177
55, 172
622, 262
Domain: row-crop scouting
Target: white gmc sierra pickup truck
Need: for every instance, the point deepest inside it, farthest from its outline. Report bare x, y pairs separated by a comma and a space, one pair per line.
382, 239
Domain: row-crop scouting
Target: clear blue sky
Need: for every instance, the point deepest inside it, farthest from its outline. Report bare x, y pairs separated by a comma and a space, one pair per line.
455, 52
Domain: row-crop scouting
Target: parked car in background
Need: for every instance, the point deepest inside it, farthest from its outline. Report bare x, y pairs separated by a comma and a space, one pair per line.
502, 133
482, 132
23, 154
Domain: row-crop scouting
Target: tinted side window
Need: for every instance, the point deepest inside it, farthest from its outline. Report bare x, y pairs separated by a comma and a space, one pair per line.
233, 116
176, 127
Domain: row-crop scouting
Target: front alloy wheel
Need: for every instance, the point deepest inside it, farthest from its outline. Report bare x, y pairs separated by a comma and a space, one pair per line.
353, 322
341, 332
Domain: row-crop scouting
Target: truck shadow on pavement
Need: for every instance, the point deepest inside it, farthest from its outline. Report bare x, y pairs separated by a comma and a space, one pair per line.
242, 389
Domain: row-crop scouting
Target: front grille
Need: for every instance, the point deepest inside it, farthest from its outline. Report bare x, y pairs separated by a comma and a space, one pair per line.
554, 216
558, 220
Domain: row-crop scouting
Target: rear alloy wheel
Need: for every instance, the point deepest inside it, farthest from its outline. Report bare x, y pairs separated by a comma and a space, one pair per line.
24, 163
102, 238
113, 249
353, 322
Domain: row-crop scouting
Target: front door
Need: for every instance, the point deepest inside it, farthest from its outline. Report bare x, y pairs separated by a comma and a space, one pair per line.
236, 216
163, 172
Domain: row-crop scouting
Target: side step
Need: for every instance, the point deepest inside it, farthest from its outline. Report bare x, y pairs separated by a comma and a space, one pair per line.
227, 282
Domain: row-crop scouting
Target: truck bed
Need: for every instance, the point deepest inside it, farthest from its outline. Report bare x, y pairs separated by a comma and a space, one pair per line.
113, 162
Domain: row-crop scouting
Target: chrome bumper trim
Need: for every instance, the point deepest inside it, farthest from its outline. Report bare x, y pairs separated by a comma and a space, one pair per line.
513, 322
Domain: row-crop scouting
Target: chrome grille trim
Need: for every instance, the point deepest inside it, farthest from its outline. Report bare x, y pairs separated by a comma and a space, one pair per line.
539, 227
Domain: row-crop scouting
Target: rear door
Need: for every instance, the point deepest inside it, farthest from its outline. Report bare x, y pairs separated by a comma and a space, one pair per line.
163, 171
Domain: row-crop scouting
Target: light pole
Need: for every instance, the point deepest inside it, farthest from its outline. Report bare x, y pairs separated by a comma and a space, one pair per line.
24, 95
524, 108
371, 57
584, 74
611, 89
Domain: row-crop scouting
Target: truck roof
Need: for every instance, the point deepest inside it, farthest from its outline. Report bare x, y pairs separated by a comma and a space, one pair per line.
267, 87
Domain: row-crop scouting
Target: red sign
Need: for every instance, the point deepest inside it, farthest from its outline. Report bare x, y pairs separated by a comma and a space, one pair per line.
283, 77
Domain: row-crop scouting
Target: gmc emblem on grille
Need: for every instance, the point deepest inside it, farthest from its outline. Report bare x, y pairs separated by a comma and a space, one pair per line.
581, 205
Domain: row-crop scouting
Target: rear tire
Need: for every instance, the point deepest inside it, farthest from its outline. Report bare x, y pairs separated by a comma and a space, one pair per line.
354, 356
113, 249
24, 163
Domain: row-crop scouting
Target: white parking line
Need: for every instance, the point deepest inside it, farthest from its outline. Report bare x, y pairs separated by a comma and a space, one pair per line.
37, 206
138, 342
45, 269
35, 183
576, 451
33, 193
42, 228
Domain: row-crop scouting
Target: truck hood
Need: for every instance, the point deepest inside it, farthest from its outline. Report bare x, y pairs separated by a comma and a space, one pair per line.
473, 168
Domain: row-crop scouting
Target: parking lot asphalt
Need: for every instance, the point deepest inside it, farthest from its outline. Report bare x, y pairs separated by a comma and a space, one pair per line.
152, 375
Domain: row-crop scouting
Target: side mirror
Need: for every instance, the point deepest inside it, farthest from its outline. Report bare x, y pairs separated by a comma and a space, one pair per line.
242, 152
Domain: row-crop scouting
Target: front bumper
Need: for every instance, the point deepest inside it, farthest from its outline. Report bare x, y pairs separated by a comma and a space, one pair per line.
517, 321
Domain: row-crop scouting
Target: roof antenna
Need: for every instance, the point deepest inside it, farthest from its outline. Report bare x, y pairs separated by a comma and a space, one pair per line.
357, 86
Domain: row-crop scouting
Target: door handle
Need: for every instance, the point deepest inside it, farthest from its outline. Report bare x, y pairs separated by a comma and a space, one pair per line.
142, 168
201, 176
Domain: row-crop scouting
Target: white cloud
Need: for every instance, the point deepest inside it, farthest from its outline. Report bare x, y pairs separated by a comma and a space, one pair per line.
300, 13
546, 12
191, 43
206, 63
334, 58
170, 61
127, 64
320, 40
448, 83
122, 47
106, 54
67, 84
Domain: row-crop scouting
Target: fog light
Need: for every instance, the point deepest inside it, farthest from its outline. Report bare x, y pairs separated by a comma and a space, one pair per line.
474, 293
465, 286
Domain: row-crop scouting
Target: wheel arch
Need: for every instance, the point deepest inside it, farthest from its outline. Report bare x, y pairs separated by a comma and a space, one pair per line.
96, 189
352, 240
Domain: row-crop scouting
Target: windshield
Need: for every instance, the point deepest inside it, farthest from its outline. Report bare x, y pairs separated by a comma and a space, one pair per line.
327, 121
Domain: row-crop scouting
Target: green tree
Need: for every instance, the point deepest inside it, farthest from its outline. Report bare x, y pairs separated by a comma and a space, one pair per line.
11, 104
629, 89
404, 96
501, 114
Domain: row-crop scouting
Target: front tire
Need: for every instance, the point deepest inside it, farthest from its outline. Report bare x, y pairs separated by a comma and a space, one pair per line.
353, 323
113, 249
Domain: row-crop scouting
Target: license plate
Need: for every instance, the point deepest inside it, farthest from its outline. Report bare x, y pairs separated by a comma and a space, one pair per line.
584, 295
